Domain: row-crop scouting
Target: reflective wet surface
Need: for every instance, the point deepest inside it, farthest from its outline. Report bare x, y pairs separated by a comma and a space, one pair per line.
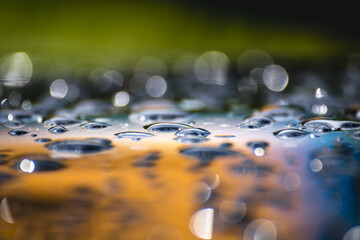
269, 175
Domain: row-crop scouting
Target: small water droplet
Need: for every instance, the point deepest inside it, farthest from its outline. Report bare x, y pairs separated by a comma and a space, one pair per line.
290, 134
134, 135
33, 135
17, 133
58, 130
166, 127
94, 126
85, 146
42, 140
226, 145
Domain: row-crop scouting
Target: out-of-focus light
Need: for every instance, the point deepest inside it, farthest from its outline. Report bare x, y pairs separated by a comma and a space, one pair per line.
259, 151
59, 89
16, 70
10, 117
201, 223
353, 234
261, 229
200, 192
232, 211
275, 78
320, 93
73, 93
5, 211
212, 67
14, 98
292, 182
26, 105
319, 109
121, 99
27, 165
156, 86
316, 165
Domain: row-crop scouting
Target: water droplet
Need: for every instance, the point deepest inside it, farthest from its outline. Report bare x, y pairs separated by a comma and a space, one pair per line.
164, 127
4, 176
323, 129
135, 136
85, 146
37, 165
290, 134
259, 120
42, 140
33, 135
207, 154
58, 130
193, 133
60, 121
249, 167
148, 161
17, 133
94, 126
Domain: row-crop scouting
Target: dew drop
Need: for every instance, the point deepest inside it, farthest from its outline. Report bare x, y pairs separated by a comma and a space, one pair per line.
58, 130
290, 134
17, 133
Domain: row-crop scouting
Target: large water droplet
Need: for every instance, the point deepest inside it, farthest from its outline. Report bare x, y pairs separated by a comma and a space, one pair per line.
135, 136
17, 132
86, 146
290, 134
164, 127
94, 126
58, 130
207, 153
192, 132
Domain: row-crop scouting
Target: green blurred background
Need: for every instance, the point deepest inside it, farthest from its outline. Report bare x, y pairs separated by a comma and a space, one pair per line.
96, 32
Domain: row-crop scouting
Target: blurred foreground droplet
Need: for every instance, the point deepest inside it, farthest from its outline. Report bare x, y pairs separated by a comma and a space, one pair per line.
16, 70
